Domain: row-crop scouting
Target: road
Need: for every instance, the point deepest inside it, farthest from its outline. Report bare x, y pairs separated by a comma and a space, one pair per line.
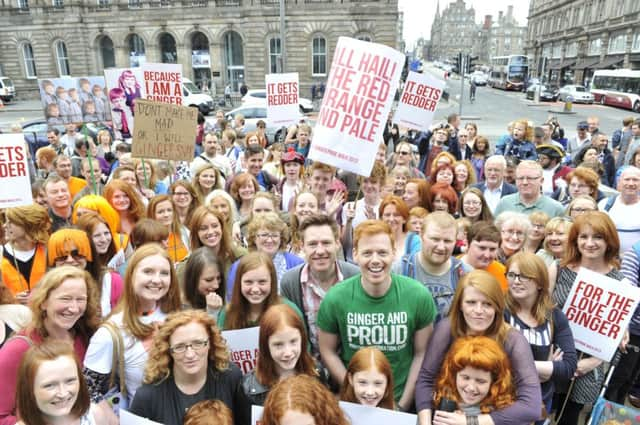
494, 109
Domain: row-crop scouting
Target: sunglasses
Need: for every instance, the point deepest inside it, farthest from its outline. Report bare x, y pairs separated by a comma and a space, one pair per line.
74, 253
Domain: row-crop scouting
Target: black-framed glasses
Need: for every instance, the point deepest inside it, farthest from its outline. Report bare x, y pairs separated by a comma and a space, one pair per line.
403, 153
74, 253
195, 345
522, 278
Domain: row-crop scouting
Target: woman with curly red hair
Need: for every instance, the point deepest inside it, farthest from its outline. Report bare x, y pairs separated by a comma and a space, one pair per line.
188, 356
476, 375
443, 197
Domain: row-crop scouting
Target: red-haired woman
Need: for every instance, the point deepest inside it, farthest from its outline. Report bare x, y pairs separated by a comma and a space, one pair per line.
395, 213
443, 197
126, 202
283, 353
162, 208
369, 379
243, 187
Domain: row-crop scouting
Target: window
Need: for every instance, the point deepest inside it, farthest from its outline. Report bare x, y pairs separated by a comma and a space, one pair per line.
617, 43
135, 3
23, 5
62, 58
58, 3
572, 50
319, 56
168, 52
595, 46
103, 3
557, 50
107, 53
636, 42
275, 55
29, 61
546, 50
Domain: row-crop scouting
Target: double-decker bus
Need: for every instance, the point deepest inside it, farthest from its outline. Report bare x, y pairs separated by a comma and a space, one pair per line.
509, 72
617, 87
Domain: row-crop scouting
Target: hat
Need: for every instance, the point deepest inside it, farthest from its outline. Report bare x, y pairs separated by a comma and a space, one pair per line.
292, 156
583, 125
538, 132
552, 151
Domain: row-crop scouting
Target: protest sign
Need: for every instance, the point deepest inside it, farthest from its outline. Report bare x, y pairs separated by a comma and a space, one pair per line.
164, 131
283, 105
162, 82
14, 171
74, 100
128, 418
362, 84
418, 102
243, 345
599, 309
358, 414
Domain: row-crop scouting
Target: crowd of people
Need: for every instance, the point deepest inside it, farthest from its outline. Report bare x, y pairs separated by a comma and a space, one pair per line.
433, 286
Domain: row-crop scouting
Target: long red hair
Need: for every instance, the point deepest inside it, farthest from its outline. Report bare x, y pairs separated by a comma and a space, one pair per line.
478, 352
366, 359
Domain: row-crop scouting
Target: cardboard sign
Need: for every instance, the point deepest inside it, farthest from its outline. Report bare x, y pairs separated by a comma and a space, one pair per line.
74, 100
362, 84
283, 104
162, 82
243, 346
599, 309
358, 415
418, 102
128, 418
164, 131
14, 171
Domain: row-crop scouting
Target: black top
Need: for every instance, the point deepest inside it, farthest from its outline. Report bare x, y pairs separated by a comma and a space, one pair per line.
7, 334
163, 402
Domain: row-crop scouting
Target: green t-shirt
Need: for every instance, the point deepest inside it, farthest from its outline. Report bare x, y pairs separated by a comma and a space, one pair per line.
387, 323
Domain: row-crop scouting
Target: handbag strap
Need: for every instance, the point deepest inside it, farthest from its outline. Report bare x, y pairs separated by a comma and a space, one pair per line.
117, 358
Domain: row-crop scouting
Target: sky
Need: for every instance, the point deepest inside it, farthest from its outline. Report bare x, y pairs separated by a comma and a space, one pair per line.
418, 14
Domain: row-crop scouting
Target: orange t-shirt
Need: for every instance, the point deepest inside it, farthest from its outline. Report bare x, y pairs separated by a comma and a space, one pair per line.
76, 185
498, 270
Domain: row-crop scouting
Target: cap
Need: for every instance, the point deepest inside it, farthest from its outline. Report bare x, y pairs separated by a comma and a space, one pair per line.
292, 156
551, 151
583, 125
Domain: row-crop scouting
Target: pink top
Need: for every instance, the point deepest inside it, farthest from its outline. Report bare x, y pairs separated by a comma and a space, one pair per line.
10, 356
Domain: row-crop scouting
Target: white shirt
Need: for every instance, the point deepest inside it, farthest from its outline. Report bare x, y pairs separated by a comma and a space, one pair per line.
360, 212
547, 181
493, 197
626, 219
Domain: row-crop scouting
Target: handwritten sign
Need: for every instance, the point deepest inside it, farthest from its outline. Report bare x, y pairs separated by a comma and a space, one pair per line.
358, 414
599, 309
164, 131
163, 82
283, 104
243, 345
14, 171
419, 100
362, 83
128, 418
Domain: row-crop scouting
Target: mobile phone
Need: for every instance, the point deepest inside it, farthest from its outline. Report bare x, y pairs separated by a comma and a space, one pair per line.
447, 405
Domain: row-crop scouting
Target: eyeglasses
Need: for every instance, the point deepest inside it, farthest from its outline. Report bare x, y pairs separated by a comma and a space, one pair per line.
195, 345
471, 203
403, 153
581, 210
265, 236
74, 253
181, 194
527, 178
514, 233
522, 278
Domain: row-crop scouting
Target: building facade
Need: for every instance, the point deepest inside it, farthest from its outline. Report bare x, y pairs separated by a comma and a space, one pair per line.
567, 40
453, 31
218, 42
506, 36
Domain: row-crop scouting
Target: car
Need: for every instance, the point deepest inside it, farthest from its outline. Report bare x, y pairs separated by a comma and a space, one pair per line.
259, 96
7, 90
480, 78
194, 97
35, 132
575, 93
255, 112
548, 93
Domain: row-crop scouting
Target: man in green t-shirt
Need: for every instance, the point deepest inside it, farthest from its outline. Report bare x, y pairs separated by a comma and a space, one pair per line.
375, 308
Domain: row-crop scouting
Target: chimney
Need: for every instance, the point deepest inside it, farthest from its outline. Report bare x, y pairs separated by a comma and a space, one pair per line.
487, 22
500, 17
510, 11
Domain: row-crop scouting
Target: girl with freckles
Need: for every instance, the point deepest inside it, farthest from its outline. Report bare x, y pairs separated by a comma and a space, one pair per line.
369, 380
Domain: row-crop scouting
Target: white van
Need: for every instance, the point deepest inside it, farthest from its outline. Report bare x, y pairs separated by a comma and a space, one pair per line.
7, 91
193, 96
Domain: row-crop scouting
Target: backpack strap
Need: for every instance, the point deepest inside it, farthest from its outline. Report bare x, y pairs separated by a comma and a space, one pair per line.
409, 265
610, 201
117, 358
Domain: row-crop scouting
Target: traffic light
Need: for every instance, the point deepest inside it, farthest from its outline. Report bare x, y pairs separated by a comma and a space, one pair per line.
471, 63
457, 63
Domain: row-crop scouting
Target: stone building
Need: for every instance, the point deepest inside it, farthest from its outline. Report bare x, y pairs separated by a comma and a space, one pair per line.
568, 40
453, 32
217, 41
506, 36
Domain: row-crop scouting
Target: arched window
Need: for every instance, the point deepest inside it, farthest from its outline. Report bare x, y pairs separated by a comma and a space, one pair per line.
234, 59
201, 59
168, 52
275, 55
107, 54
23, 5
136, 50
62, 58
29, 61
319, 55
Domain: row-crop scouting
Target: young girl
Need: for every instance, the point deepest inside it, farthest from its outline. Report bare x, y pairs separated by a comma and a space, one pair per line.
255, 290
476, 376
416, 217
369, 379
463, 226
206, 180
282, 343
125, 201
163, 209
292, 182
203, 281
304, 204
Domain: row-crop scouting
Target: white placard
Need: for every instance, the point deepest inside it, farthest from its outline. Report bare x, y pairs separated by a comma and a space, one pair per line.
162, 82
14, 171
243, 346
360, 90
283, 98
599, 309
418, 101
128, 418
358, 415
